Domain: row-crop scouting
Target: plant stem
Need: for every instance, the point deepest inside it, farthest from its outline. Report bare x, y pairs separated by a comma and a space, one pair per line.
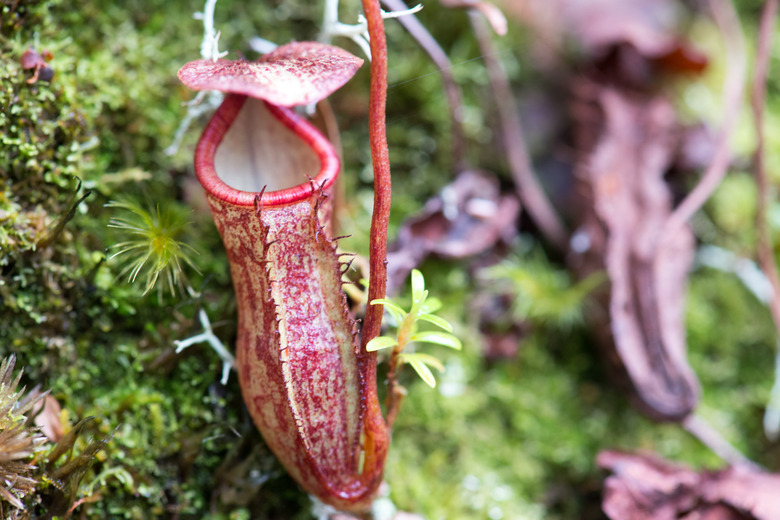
377, 257
712, 438
395, 392
736, 62
380, 161
531, 194
766, 257
442, 61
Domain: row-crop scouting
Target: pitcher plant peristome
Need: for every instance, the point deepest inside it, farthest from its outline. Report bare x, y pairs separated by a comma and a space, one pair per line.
309, 386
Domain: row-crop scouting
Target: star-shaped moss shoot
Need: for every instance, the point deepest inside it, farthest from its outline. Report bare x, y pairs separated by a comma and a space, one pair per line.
153, 248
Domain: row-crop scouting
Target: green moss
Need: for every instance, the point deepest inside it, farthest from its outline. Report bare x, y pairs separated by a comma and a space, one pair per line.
733, 206
103, 348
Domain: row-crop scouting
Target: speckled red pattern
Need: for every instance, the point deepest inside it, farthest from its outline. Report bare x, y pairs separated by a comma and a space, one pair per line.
297, 73
296, 351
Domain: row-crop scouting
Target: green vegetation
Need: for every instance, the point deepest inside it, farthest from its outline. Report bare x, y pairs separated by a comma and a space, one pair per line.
496, 439
422, 310
153, 241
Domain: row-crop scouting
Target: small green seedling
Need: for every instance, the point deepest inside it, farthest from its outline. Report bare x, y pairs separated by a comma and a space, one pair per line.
154, 247
423, 309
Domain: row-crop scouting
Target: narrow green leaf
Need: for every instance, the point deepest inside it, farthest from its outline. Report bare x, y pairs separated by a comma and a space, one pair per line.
422, 369
424, 358
436, 320
398, 313
381, 342
424, 372
439, 338
418, 287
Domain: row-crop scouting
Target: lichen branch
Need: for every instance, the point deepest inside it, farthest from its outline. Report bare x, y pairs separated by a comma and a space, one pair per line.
209, 47
358, 33
208, 336
710, 437
205, 101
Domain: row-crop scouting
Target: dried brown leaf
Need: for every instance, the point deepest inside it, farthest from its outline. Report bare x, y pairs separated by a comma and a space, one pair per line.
630, 203
31, 59
646, 487
645, 33
467, 218
48, 418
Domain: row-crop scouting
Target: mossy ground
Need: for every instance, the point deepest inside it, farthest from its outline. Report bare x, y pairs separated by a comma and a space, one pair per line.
508, 439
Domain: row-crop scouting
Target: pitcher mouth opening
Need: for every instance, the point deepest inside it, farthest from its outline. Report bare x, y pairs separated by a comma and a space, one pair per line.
302, 160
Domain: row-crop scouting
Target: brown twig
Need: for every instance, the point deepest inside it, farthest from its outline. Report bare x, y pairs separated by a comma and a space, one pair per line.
728, 22
394, 404
710, 437
81, 501
531, 194
766, 257
442, 61
395, 392
52, 235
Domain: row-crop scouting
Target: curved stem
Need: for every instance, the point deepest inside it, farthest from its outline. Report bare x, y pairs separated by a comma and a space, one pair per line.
766, 257
530, 191
728, 22
375, 427
442, 61
712, 438
381, 164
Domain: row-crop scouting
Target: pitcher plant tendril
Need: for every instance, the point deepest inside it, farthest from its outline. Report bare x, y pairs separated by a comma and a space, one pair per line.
382, 183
